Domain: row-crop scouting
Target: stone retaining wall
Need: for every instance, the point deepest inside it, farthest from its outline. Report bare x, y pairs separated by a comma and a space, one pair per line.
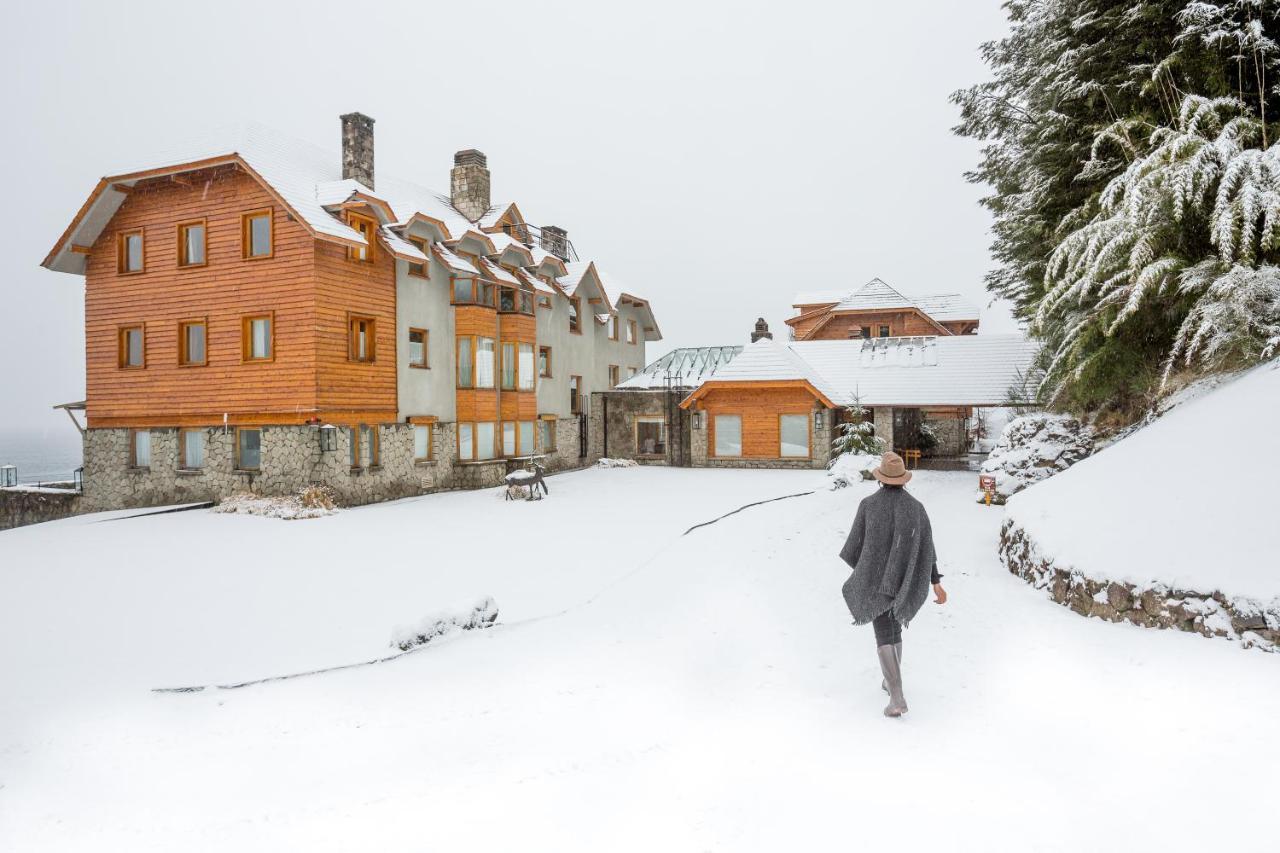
21, 506
1210, 614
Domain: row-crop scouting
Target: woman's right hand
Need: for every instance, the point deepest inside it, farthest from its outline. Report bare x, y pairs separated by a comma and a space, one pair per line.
940, 594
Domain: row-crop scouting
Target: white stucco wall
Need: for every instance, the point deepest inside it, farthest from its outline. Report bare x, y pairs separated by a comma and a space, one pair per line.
424, 304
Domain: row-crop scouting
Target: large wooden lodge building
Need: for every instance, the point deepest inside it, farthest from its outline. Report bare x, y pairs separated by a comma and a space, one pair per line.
261, 315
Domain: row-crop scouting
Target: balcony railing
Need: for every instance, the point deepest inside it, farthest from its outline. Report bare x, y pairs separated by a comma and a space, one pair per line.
550, 240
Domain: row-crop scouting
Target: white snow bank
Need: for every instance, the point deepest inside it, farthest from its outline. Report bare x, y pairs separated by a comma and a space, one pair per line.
605, 462
1034, 447
482, 614
850, 468
1188, 502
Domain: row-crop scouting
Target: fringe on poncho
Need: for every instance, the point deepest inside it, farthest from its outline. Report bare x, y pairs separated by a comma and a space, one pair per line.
890, 549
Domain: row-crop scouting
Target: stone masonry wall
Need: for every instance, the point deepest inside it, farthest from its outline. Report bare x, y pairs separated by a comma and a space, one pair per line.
950, 432
1210, 614
20, 506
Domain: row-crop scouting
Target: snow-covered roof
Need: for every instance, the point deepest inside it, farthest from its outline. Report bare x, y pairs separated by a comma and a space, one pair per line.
877, 295
308, 180
687, 367
946, 370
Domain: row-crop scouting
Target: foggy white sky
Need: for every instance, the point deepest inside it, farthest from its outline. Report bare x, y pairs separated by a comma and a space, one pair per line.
714, 157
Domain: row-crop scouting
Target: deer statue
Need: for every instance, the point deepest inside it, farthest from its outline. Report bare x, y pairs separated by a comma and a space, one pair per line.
530, 480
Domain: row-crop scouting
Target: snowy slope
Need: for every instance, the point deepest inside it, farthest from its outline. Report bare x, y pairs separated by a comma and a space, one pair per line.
1189, 501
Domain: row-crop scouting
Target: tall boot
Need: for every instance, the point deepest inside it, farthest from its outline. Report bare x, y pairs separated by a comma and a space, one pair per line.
893, 679
897, 652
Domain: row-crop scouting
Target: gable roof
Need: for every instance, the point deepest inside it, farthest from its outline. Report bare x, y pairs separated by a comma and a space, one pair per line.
687, 367
946, 370
877, 295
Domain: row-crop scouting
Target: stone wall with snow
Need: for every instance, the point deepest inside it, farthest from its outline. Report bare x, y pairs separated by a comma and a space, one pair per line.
1156, 531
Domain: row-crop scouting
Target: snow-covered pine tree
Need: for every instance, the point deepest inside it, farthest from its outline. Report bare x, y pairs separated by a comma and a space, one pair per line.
857, 432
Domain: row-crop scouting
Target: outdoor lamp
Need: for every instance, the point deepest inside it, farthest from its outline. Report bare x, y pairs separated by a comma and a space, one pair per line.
328, 438
817, 419
697, 419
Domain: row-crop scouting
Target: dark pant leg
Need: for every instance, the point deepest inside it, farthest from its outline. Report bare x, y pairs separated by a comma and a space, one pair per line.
887, 629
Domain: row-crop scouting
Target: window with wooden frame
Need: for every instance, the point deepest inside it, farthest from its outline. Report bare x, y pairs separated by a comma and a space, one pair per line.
418, 348
139, 448
614, 376
651, 436
257, 240
547, 434
193, 343
191, 446
524, 367
421, 270
370, 445
509, 445
132, 347
360, 338
544, 362
484, 362
632, 336
423, 442
632, 371
353, 445
884, 331
257, 337
507, 299
466, 361
613, 327
575, 394
367, 228
130, 252
508, 365
575, 315
544, 301
191, 243
728, 435
793, 435
525, 438
248, 448
477, 441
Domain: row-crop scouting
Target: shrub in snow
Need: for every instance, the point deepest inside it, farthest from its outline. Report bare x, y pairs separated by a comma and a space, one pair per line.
849, 468
482, 614
857, 433
605, 462
1034, 447
311, 502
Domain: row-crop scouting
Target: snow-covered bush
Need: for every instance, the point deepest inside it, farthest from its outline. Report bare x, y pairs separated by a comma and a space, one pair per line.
311, 502
482, 614
1034, 447
849, 468
605, 462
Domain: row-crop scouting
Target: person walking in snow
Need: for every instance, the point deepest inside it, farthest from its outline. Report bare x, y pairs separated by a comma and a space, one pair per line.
890, 549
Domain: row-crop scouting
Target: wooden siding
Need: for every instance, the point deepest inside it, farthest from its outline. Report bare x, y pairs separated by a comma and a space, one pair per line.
222, 291
824, 326
759, 409
368, 289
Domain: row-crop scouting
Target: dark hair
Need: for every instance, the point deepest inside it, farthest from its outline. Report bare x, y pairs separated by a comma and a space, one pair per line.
884, 485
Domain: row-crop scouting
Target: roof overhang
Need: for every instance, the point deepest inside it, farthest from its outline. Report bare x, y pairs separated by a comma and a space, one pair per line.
69, 253
736, 384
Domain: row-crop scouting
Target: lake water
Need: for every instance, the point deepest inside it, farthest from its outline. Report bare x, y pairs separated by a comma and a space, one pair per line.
41, 455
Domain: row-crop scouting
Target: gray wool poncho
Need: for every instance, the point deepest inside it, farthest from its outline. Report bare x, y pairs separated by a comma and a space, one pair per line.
890, 549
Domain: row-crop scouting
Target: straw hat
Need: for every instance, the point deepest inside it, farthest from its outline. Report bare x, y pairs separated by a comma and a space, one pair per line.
891, 471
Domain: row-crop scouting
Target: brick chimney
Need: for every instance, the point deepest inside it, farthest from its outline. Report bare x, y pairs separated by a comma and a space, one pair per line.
761, 331
357, 148
556, 241
469, 184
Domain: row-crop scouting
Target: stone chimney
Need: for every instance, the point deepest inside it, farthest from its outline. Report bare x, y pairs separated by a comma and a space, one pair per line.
761, 331
556, 241
469, 184
357, 148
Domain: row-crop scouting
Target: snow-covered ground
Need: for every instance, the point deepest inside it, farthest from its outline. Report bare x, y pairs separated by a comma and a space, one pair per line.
644, 690
1178, 502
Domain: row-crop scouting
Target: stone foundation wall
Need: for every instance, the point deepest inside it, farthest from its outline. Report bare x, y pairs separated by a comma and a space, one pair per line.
1210, 614
21, 506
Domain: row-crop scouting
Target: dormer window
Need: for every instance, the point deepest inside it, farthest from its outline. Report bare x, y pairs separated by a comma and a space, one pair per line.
506, 299
419, 270
472, 291
366, 228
